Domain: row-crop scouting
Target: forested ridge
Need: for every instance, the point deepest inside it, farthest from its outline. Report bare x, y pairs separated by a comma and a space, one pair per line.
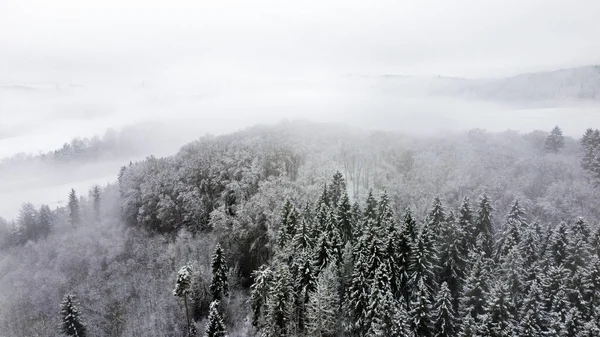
318, 229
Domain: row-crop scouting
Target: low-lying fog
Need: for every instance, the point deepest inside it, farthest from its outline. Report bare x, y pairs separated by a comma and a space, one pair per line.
37, 118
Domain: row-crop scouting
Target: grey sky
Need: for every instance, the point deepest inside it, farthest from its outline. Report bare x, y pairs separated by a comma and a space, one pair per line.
74, 39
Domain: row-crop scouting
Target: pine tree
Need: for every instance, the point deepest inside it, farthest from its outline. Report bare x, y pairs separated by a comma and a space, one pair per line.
499, 311
423, 259
304, 285
28, 225
73, 208
183, 288
533, 318
45, 221
323, 306
344, 218
215, 326
402, 259
410, 226
304, 234
72, 324
555, 140
465, 221
280, 303
370, 211
288, 224
337, 189
444, 321
420, 312
475, 289
357, 297
452, 265
219, 286
259, 293
437, 218
387, 317
97, 199
557, 248
483, 225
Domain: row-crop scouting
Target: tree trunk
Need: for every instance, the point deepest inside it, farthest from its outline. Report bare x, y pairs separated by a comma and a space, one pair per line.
187, 315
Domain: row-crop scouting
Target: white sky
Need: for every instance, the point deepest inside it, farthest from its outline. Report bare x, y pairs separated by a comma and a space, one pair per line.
74, 39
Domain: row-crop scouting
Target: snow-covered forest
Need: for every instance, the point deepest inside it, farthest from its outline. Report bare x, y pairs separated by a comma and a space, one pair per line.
307, 229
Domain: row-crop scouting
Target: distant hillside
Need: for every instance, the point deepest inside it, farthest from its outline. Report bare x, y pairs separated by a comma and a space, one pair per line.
573, 84
565, 84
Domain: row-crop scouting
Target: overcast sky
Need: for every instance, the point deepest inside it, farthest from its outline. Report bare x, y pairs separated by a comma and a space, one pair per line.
79, 40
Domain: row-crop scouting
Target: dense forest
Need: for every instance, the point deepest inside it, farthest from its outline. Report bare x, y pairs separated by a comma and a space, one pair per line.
319, 229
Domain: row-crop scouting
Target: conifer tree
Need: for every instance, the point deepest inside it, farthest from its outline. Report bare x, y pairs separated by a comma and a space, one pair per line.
219, 286
215, 326
323, 306
280, 303
402, 259
357, 297
444, 320
370, 210
452, 264
387, 317
557, 248
344, 218
437, 218
304, 285
499, 311
465, 221
288, 224
303, 239
45, 221
475, 289
259, 293
423, 259
72, 324
533, 318
97, 199
337, 189
420, 312
183, 288
555, 141
410, 226
74, 216
483, 224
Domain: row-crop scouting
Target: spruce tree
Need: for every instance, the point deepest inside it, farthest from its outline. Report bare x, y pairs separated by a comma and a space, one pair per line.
74, 217
45, 221
97, 199
337, 189
483, 224
288, 224
499, 311
304, 286
219, 286
424, 259
555, 141
557, 247
452, 265
280, 303
466, 223
183, 288
72, 324
344, 218
444, 320
215, 326
475, 289
437, 218
357, 297
259, 294
323, 306
370, 211
420, 312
